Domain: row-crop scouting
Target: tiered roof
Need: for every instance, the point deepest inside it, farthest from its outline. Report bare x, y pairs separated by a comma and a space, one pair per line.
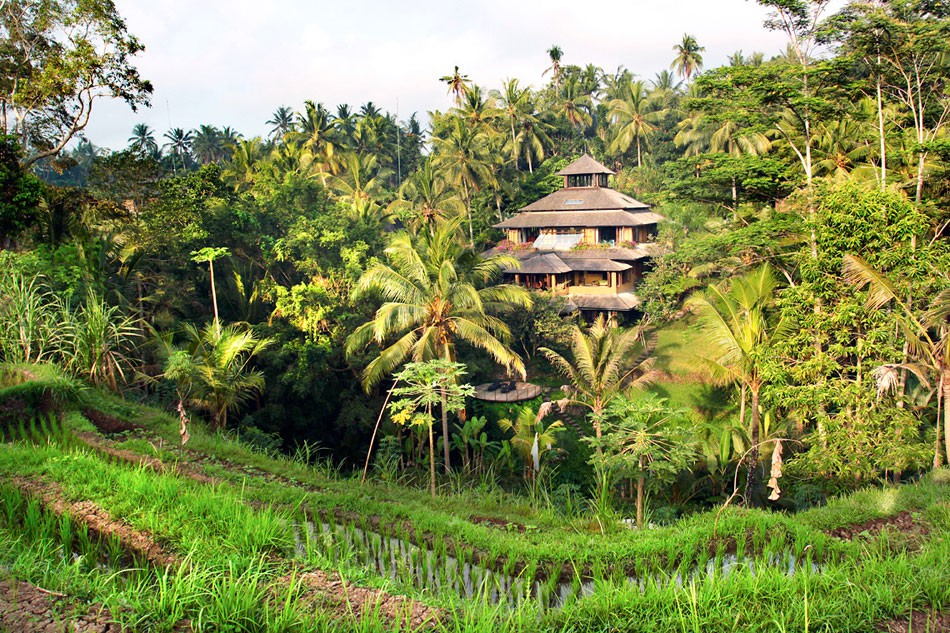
583, 206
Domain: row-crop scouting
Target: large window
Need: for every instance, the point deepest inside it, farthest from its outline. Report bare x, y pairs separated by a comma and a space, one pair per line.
582, 180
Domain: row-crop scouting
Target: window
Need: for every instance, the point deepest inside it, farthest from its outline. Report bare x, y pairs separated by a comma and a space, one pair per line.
607, 235
581, 180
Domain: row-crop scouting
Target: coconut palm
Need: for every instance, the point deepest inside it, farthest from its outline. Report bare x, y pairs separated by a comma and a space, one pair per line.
665, 81
633, 115
207, 144
463, 156
437, 292
361, 186
213, 371
514, 101
531, 439
244, 163
532, 140
478, 110
689, 57
576, 106
179, 142
315, 132
606, 360
142, 141
425, 199
458, 85
927, 332
735, 319
555, 54
281, 122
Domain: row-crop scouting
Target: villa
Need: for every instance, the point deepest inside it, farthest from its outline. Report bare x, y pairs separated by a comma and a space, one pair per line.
587, 241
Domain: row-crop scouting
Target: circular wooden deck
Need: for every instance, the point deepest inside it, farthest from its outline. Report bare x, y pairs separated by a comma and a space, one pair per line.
522, 391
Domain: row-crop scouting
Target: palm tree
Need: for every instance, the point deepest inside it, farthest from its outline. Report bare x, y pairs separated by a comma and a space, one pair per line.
927, 333
532, 139
735, 319
633, 115
243, 167
229, 139
555, 54
665, 81
689, 57
344, 121
463, 156
142, 141
458, 85
314, 131
606, 360
437, 292
212, 370
179, 142
478, 110
515, 100
207, 145
361, 186
427, 198
576, 106
281, 122
531, 438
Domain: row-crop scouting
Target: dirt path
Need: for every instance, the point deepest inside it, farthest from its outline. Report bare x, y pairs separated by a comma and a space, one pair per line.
25, 608
351, 602
139, 544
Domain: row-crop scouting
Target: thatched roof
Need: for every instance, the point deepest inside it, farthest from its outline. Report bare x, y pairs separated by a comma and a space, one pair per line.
585, 199
621, 302
617, 253
579, 219
537, 263
597, 265
584, 165
545, 264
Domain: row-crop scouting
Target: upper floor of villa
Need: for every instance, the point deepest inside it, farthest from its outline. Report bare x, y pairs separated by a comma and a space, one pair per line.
585, 240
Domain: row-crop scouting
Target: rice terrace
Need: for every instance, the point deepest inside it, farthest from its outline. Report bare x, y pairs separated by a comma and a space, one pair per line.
533, 343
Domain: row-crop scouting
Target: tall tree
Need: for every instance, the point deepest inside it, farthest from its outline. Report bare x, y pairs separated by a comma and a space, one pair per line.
281, 122
59, 57
179, 142
634, 115
555, 54
463, 156
689, 58
437, 293
458, 85
142, 141
606, 360
736, 320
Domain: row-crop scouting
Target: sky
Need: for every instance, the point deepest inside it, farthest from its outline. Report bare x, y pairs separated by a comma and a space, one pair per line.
234, 62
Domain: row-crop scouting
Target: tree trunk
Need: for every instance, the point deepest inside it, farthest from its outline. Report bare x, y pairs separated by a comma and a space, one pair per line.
880, 130
468, 208
431, 462
945, 386
938, 453
445, 433
641, 480
735, 201
754, 450
742, 407
214, 296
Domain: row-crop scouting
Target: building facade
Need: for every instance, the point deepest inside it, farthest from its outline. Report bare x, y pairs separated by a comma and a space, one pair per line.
586, 241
